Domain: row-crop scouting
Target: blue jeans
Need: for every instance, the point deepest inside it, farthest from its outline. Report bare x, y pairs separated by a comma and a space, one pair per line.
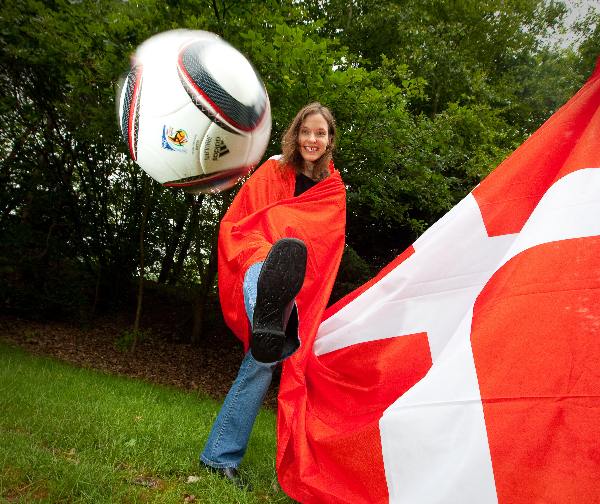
229, 436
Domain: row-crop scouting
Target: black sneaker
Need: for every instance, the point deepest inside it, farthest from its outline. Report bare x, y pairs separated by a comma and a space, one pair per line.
281, 278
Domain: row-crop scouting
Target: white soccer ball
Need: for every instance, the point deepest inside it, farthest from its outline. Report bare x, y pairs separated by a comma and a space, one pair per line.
193, 111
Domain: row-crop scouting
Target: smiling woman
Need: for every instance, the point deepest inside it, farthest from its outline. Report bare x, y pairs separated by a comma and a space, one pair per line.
313, 140
280, 244
309, 141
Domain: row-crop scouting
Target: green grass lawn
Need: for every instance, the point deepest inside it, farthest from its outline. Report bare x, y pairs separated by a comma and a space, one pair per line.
74, 435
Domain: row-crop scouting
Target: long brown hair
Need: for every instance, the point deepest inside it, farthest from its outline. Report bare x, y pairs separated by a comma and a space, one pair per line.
289, 143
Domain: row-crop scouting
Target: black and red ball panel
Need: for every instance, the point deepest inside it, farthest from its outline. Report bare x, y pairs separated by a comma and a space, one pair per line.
200, 84
130, 110
213, 182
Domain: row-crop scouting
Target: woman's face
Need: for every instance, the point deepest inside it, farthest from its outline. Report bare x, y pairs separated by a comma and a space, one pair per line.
313, 137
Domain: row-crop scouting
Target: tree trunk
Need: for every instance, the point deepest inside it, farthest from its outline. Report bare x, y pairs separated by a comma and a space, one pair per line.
166, 265
349, 18
436, 100
140, 293
208, 276
187, 241
208, 279
96, 290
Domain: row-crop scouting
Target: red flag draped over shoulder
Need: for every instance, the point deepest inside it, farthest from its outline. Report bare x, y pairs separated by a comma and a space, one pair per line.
266, 210
468, 370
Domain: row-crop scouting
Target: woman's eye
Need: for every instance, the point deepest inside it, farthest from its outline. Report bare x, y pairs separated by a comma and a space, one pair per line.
316, 133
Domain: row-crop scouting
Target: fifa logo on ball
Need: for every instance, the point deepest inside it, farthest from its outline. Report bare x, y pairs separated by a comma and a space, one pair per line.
174, 139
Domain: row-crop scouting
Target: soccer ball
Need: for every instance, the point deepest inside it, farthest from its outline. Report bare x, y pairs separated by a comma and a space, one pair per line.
193, 111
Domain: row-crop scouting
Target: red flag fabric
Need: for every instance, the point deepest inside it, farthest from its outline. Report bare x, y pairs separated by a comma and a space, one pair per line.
266, 210
468, 369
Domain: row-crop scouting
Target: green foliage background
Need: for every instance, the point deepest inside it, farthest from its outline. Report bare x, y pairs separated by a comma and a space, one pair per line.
429, 97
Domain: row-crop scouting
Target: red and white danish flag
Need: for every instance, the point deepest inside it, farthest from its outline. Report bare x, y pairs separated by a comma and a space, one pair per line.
468, 370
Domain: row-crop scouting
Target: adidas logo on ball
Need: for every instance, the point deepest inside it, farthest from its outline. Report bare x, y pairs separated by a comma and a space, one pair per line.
220, 149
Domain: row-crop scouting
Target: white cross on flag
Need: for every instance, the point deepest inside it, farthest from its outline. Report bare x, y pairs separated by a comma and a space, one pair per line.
468, 370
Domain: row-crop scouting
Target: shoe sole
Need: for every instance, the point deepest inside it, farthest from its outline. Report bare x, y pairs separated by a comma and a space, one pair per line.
281, 278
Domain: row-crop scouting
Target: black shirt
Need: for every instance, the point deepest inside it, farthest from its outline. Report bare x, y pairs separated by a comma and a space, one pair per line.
303, 183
